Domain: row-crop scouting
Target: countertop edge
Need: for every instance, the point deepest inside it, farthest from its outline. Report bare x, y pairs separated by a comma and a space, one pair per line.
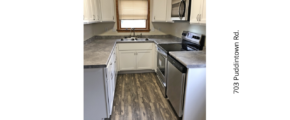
94, 66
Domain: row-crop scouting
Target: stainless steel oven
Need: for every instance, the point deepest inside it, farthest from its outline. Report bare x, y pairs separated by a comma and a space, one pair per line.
162, 69
190, 42
180, 10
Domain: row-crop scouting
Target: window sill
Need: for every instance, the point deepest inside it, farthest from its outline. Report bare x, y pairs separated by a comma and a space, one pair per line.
132, 31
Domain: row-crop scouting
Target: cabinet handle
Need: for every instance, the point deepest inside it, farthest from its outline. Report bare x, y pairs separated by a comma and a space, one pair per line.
94, 17
197, 17
113, 17
111, 64
154, 17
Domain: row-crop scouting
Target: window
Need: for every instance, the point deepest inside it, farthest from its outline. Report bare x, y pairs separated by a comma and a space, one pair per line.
133, 14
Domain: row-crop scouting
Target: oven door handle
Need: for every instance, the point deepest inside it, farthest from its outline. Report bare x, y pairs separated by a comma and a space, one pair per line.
161, 53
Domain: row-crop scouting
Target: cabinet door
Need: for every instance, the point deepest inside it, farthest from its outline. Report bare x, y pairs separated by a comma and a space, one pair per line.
88, 17
168, 10
115, 67
109, 88
107, 10
144, 59
203, 12
112, 74
127, 60
195, 11
159, 10
94, 4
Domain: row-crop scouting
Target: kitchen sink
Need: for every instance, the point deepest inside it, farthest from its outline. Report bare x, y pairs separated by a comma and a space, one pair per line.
133, 39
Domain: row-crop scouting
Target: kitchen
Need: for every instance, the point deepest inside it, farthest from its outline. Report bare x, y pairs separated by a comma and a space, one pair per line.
142, 63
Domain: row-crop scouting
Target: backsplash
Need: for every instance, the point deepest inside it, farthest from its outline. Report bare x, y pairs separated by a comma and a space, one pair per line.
88, 31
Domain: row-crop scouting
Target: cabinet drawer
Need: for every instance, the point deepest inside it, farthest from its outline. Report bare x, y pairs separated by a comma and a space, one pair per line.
135, 46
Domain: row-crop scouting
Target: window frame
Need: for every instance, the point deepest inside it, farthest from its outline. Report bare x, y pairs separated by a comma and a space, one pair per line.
119, 29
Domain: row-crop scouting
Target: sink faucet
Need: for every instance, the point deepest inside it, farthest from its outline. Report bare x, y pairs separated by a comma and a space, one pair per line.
133, 32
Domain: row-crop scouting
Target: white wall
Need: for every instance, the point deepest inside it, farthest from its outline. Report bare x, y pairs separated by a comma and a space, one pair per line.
109, 29
177, 28
88, 31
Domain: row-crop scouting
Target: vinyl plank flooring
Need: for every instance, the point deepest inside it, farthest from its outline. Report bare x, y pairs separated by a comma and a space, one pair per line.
138, 97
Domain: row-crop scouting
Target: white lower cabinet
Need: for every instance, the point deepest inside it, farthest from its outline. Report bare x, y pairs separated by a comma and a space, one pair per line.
111, 76
110, 85
127, 60
144, 59
140, 58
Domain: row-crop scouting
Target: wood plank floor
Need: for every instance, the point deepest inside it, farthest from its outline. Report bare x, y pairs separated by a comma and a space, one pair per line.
138, 97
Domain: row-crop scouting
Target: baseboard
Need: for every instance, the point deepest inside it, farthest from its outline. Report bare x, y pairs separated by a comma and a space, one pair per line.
136, 71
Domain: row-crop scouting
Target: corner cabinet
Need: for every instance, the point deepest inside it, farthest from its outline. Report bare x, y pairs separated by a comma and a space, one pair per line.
198, 12
99, 90
161, 11
136, 56
107, 10
98, 11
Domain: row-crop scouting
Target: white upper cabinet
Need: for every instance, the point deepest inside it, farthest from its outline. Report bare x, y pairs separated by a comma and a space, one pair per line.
168, 11
198, 12
161, 11
107, 10
98, 11
88, 15
203, 13
95, 9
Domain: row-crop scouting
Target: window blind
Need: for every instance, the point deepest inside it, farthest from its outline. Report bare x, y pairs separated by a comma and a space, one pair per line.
133, 9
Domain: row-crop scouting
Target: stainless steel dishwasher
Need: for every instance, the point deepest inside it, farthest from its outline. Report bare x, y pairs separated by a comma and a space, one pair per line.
175, 84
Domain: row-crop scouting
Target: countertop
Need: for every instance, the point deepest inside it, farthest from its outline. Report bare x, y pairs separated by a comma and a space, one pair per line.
97, 50
190, 59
